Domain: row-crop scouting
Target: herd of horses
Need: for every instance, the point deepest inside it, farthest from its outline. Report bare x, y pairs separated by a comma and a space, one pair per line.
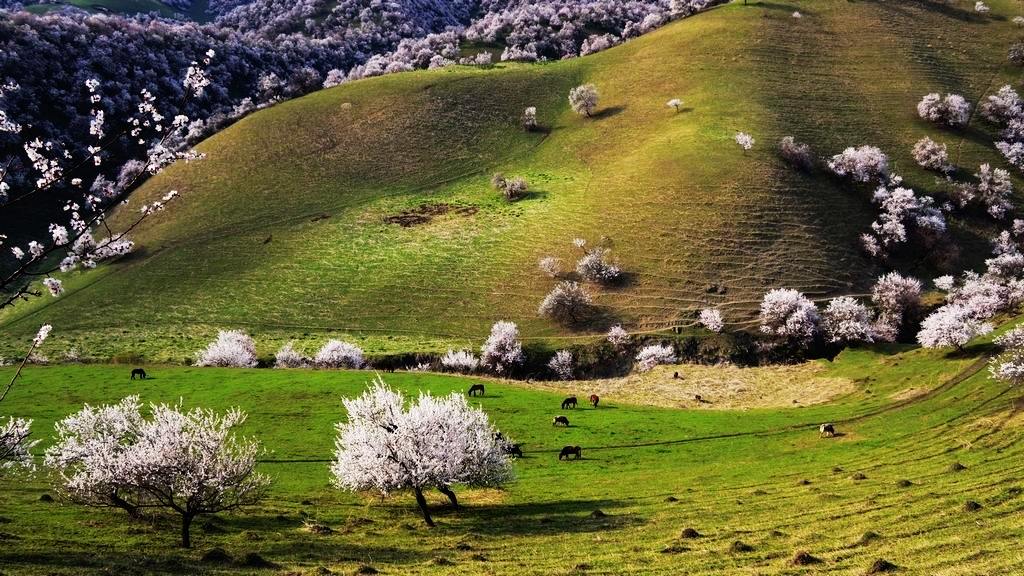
571, 402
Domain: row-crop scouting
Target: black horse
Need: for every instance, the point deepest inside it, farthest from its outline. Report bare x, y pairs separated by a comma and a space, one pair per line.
476, 390
514, 450
569, 402
575, 451
139, 372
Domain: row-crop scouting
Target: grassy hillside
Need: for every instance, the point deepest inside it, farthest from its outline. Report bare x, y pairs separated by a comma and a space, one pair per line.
762, 477
281, 230
196, 12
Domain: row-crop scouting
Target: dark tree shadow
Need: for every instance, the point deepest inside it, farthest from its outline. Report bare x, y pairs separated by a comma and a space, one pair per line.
570, 516
608, 112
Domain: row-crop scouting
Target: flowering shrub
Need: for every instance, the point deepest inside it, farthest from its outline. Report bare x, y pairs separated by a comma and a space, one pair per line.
796, 153
931, 155
232, 348
289, 357
339, 354
746, 141
861, 164
654, 354
790, 314
847, 320
502, 350
460, 361
951, 325
568, 302
711, 319
617, 337
583, 99
561, 364
595, 266
952, 110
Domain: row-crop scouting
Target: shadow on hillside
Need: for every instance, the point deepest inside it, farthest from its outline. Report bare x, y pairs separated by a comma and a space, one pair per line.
569, 516
775, 6
608, 112
75, 562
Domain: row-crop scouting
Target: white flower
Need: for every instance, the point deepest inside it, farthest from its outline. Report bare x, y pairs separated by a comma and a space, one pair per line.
746, 141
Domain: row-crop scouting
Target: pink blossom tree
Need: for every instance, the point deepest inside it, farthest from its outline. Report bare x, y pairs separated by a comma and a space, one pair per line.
951, 325
232, 348
561, 364
846, 320
654, 354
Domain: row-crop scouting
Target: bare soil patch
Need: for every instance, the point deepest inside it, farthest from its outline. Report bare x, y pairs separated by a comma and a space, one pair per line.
425, 213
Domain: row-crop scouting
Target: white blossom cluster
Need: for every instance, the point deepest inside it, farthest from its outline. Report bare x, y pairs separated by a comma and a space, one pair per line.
561, 364
189, 462
339, 354
617, 337
895, 297
288, 357
654, 354
15, 446
711, 319
951, 110
597, 266
502, 351
789, 314
931, 155
568, 302
232, 348
583, 99
745, 141
463, 361
386, 446
902, 210
993, 191
861, 164
1008, 366
845, 320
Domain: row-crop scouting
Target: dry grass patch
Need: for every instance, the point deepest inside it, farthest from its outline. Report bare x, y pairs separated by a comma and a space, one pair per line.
718, 387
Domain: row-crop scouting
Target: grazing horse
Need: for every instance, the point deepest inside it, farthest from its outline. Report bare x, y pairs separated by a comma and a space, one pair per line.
594, 399
560, 420
139, 372
514, 450
827, 430
569, 402
575, 451
476, 389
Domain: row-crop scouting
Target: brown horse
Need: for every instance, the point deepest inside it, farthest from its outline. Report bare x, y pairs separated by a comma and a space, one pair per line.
594, 399
574, 451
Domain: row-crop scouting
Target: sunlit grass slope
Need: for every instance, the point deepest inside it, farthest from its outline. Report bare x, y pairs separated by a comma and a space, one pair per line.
281, 229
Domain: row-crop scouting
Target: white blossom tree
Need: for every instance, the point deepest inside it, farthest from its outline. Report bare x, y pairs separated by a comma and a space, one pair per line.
931, 155
188, 462
550, 266
952, 110
789, 314
796, 153
653, 355
993, 191
232, 348
568, 302
439, 443
847, 320
1008, 366
951, 325
596, 265
460, 361
745, 141
895, 297
1003, 106
561, 364
529, 119
711, 319
511, 188
617, 337
15, 446
289, 357
861, 164
583, 99
675, 104
339, 354
502, 351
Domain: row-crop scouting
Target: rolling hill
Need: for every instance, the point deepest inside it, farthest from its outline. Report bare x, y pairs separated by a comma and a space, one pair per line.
283, 229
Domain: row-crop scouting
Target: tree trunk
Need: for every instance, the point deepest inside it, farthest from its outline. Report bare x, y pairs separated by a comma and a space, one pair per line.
422, 502
451, 495
132, 510
186, 524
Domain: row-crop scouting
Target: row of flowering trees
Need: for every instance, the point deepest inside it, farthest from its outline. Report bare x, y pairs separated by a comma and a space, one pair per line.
191, 463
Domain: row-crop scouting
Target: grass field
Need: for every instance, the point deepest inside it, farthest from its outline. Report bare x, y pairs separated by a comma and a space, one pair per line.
281, 232
758, 476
